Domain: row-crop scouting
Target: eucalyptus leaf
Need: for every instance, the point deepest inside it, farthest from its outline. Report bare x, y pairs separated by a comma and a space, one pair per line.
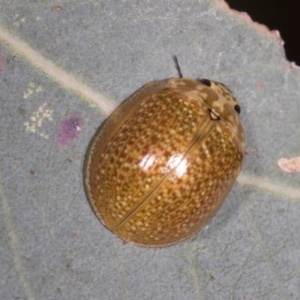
64, 66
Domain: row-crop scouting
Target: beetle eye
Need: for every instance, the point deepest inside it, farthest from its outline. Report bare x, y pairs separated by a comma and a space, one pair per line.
237, 108
205, 81
213, 115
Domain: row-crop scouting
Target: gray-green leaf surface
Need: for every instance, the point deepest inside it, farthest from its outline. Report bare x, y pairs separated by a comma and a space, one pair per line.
63, 67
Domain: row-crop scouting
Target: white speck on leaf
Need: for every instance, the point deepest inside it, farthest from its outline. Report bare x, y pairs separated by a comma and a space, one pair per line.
32, 89
37, 118
289, 165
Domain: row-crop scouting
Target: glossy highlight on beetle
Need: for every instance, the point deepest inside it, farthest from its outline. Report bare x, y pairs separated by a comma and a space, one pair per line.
162, 164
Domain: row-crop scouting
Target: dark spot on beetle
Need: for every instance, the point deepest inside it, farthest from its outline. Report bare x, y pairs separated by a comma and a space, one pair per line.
237, 108
205, 81
153, 139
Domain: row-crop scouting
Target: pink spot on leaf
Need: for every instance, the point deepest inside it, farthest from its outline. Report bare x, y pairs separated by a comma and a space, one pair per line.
69, 129
289, 165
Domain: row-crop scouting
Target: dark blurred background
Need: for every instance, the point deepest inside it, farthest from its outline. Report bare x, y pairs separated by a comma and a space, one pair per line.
282, 15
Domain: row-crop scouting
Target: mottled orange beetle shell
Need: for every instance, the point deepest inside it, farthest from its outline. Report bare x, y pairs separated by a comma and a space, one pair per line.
162, 164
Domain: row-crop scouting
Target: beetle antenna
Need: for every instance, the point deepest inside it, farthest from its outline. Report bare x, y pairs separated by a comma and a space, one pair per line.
177, 66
